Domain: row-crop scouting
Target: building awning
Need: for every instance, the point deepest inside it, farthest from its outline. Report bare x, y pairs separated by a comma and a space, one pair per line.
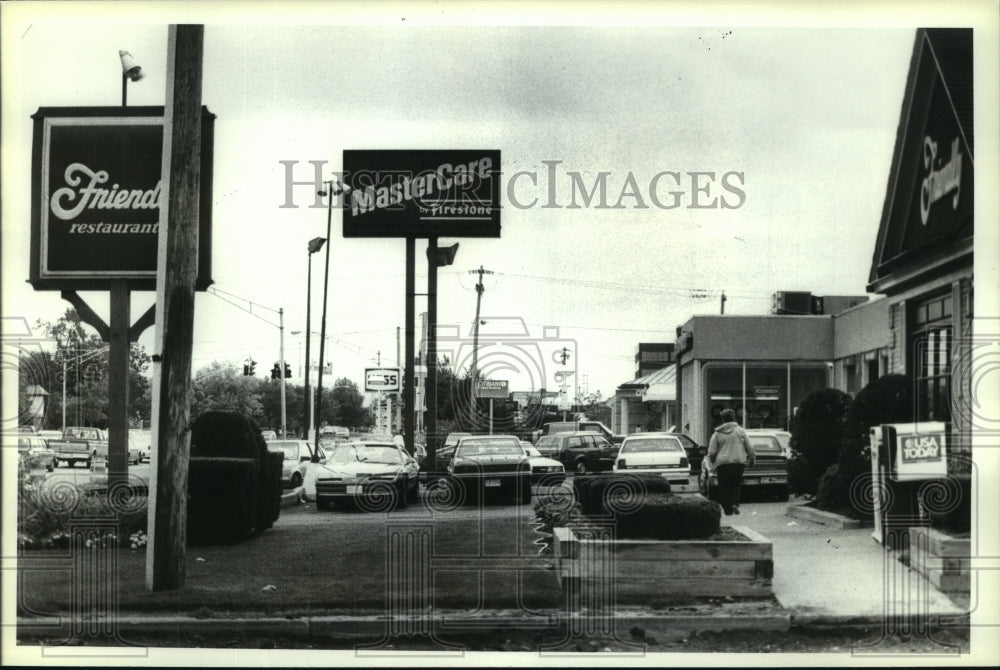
657, 386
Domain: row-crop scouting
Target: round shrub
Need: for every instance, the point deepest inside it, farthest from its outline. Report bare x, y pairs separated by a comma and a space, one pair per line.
816, 432
663, 516
226, 434
888, 399
607, 494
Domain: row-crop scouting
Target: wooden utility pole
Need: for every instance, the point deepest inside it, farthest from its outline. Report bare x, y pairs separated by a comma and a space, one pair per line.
176, 272
475, 346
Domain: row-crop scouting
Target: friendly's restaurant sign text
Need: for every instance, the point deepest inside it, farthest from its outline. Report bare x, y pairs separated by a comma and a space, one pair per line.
96, 196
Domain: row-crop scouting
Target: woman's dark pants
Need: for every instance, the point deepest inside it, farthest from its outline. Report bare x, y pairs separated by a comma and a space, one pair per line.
730, 476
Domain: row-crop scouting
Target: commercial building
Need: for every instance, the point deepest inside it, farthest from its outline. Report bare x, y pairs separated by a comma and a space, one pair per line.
920, 325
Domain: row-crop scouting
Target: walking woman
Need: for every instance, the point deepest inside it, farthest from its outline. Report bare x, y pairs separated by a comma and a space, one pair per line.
730, 453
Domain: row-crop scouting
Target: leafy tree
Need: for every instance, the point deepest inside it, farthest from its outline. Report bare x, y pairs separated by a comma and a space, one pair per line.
349, 404
596, 408
221, 386
86, 361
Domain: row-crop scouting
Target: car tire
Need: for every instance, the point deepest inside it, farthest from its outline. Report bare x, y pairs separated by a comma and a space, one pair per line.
55, 463
413, 495
781, 493
296, 480
49, 467
525, 494
401, 498
322, 504
580, 467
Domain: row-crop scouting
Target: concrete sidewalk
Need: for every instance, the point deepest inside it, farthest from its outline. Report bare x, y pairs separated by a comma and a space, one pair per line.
824, 574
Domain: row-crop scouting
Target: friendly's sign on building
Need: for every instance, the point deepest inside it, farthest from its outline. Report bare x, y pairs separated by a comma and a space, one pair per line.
96, 193
422, 193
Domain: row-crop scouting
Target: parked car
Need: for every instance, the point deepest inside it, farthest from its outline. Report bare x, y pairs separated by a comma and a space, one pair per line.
491, 464
654, 453
138, 451
579, 452
769, 472
695, 452
446, 451
368, 471
297, 454
544, 470
579, 426
50, 434
783, 436
96, 439
35, 452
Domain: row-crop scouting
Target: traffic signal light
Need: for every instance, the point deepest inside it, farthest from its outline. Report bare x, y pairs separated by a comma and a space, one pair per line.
246, 369
275, 372
288, 371
249, 367
253, 367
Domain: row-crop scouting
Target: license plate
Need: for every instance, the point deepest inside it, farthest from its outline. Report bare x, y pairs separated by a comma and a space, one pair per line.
492, 482
353, 489
773, 480
750, 480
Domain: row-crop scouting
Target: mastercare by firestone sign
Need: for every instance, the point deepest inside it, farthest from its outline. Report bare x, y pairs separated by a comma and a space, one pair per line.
96, 195
422, 193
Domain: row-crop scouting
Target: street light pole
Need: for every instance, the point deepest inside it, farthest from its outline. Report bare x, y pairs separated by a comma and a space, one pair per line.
130, 70
329, 193
281, 354
475, 345
315, 245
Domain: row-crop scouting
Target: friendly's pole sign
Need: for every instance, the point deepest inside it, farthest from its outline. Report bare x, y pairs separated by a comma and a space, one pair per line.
96, 193
432, 193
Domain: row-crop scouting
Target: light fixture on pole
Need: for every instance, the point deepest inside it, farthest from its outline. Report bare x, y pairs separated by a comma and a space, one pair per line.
329, 193
130, 70
315, 245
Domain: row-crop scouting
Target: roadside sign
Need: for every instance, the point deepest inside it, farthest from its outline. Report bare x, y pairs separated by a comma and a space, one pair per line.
491, 388
422, 193
382, 379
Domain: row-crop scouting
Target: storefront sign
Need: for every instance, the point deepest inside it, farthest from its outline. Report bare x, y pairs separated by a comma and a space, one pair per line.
433, 193
96, 194
491, 388
941, 180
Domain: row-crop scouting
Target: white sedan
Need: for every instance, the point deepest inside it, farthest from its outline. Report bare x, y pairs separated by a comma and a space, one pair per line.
544, 470
654, 453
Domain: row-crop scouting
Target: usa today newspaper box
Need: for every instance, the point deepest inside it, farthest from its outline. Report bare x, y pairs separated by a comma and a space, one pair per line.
904, 455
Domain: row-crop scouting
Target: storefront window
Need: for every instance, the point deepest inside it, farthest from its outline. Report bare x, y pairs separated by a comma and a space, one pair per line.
766, 398
930, 351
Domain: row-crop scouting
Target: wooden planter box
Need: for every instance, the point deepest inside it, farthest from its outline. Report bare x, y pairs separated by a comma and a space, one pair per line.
641, 570
941, 558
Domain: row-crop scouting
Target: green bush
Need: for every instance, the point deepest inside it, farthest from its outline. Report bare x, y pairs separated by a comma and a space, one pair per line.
592, 491
663, 516
222, 434
888, 399
223, 504
816, 433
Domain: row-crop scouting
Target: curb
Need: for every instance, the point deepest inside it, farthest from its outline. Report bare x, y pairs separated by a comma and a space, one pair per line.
821, 516
381, 627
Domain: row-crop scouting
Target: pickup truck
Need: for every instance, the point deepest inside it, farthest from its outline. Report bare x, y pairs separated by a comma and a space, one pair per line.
576, 426
71, 451
80, 443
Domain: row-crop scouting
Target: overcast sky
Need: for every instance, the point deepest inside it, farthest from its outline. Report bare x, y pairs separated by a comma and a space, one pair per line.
804, 119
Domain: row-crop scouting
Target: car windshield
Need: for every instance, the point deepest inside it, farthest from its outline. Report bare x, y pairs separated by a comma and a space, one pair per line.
366, 453
650, 444
82, 433
453, 438
546, 443
764, 443
290, 449
489, 448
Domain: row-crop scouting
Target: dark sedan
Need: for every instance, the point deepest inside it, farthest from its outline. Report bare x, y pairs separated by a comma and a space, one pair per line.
490, 464
695, 452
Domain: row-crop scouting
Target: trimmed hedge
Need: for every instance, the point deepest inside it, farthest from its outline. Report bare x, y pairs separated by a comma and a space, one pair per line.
223, 505
592, 491
663, 516
241, 507
816, 433
643, 507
